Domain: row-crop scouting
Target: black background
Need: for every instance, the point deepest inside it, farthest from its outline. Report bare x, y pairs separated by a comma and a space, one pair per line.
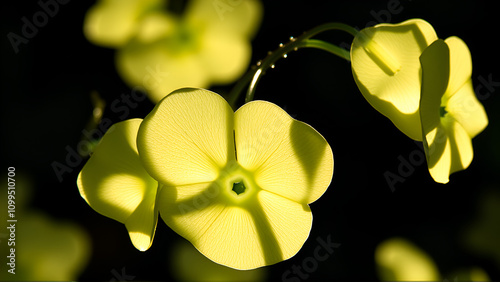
45, 104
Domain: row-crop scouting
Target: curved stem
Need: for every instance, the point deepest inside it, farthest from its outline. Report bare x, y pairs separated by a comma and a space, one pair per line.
325, 46
303, 41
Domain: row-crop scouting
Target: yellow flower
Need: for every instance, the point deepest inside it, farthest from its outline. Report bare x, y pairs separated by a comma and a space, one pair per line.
114, 183
47, 250
450, 112
398, 259
235, 184
36, 246
386, 68
428, 97
204, 46
160, 51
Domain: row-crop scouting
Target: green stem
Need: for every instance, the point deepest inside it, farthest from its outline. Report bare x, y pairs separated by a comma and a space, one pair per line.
303, 41
322, 45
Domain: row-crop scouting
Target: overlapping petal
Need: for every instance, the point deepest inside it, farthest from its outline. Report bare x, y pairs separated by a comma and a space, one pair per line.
459, 98
115, 184
386, 68
187, 138
449, 119
287, 157
111, 23
264, 232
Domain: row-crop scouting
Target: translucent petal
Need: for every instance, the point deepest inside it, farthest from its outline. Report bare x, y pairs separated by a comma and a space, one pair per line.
460, 65
188, 264
435, 77
115, 184
266, 231
447, 144
460, 145
450, 150
460, 99
158, 70
141, 221
287, 157
112, 23
386, 68
437, 150
187, 138
467, 110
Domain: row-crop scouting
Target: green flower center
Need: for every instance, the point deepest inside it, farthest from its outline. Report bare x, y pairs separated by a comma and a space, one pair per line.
442, 111
185, 39
239, 187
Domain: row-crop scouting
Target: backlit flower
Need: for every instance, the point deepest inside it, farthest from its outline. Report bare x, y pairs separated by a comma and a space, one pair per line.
450, 112
429, 98
114, 183
386, 68
235, 184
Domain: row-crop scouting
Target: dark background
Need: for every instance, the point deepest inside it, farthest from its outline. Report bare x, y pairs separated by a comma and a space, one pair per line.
45, 104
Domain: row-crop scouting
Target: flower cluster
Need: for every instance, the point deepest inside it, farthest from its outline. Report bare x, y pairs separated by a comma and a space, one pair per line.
162, 51
423, 85
232, 183
238, 185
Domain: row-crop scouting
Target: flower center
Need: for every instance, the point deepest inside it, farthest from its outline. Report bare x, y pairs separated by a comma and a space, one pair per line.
239, 187
442, 111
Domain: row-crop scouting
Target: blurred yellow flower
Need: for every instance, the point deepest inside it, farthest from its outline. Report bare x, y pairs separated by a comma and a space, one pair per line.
38, 247
235, 184
400, 260
114, 183
47, 250
450, 112
161, 51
